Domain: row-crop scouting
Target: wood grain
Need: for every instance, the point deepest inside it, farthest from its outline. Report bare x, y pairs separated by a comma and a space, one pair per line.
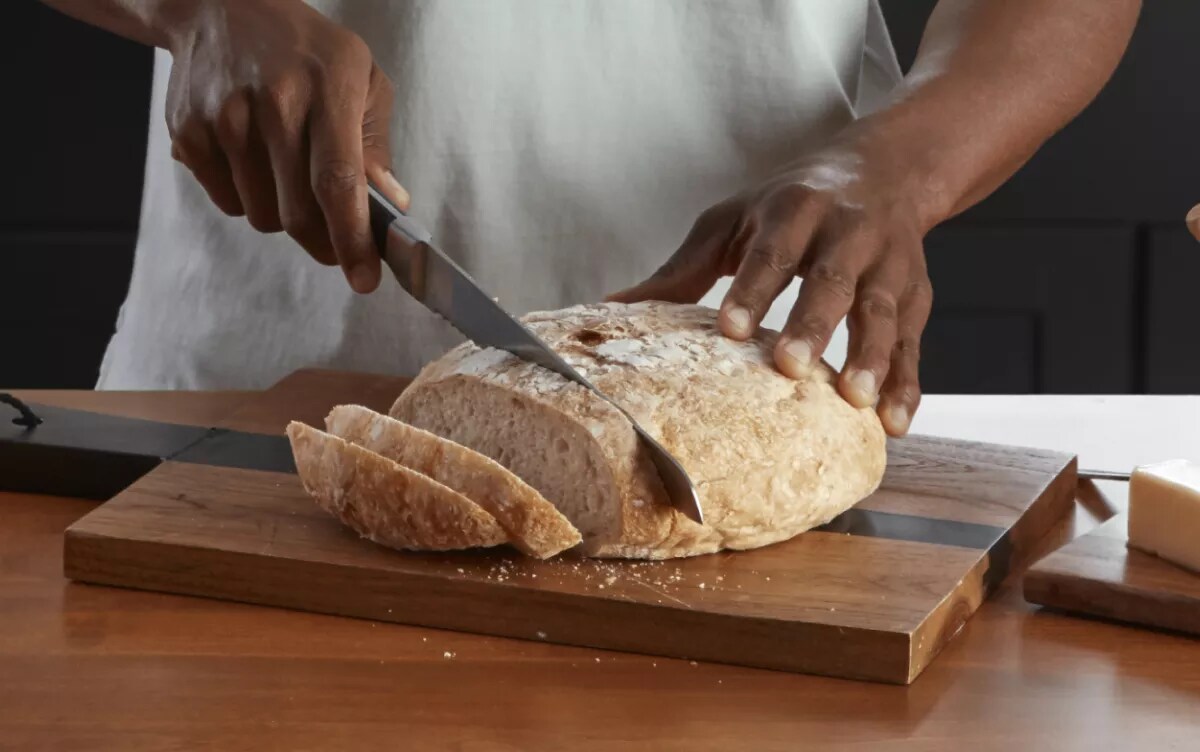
98, 668
1098, 575
875, 606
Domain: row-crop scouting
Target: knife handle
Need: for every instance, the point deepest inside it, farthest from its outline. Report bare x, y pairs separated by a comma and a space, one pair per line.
385, 214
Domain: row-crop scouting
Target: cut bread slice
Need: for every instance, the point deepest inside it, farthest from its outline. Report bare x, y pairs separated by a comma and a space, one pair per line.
385, 501
532, 523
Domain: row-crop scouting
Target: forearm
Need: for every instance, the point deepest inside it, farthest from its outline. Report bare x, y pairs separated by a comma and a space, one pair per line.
150, 22
993, 80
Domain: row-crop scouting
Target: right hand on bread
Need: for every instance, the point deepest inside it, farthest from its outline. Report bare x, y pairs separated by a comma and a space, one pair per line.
846, 221
282, 115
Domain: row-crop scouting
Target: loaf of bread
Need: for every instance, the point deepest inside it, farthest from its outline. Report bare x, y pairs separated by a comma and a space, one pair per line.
770, 456
484, 448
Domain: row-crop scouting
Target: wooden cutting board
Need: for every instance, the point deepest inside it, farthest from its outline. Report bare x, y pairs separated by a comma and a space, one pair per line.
1098, 575
875, 595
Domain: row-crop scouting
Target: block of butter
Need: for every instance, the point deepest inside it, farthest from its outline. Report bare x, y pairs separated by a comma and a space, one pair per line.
1164, 511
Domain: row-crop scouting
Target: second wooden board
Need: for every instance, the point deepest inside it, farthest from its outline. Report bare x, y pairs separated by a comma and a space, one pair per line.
1099, 575
875, 595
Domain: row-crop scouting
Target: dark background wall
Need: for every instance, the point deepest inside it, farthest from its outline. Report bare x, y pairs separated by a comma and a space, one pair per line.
1075, 277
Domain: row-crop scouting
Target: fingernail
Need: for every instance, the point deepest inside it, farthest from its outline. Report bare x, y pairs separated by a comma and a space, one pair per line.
396, 191
899, 418
799, 353
863, 382
362, 279
739, 320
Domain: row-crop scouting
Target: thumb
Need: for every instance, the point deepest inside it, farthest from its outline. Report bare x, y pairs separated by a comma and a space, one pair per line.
1193, 221
692, 270
680, 280
377, 140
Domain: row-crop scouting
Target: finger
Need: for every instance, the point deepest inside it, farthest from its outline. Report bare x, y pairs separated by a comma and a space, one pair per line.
825, 298
872, 325
340, 185
283, 113
376, 140
240, 139
195, 147
901, 393
770, 258
695, 266
1193, 221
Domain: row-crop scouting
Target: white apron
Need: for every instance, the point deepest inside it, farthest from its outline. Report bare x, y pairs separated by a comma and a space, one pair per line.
559, 150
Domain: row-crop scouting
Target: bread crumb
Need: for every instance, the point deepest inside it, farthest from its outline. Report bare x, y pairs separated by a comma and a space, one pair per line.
447, 655
460, 570
597, 660
693, 663
424, 639
541, 635
701, 585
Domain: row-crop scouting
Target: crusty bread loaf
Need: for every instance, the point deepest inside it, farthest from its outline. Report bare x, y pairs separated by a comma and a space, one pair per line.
532, 523
770, 456
385, 501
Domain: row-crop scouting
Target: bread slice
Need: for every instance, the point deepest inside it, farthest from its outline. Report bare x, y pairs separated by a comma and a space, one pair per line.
384, 501
532, 523
770, 456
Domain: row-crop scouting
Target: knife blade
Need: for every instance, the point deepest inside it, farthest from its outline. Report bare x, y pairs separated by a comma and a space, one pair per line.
442, 286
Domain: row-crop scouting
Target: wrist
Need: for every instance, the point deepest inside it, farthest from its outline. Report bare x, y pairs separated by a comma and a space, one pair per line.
915, 163
174, 22
169, 22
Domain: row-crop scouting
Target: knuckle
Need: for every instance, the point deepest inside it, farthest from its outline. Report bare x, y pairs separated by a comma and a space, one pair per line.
877, 306
835, 279
772, 257
281, 98
381, 84
908, 348
336, 178
851, 220
793, 196
352, 45
815, 327
919, 290
189, 140
232, 122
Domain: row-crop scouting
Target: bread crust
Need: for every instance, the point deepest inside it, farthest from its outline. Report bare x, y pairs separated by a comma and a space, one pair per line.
533, 524
384, 501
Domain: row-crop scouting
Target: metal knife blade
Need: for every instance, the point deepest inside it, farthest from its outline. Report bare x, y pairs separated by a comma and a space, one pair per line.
432, 277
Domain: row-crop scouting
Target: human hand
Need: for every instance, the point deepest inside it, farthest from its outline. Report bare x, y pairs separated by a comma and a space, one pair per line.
1193, 221
282, 116
846, 220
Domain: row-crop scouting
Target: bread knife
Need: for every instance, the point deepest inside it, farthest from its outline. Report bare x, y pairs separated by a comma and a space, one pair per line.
434, 280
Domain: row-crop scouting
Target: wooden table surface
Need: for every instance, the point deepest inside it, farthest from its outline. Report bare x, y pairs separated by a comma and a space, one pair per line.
94, 668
